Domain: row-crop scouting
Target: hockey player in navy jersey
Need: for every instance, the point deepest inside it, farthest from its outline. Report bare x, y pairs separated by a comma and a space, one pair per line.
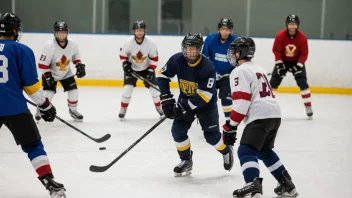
198, 98
255, 103
18, 73
215, 48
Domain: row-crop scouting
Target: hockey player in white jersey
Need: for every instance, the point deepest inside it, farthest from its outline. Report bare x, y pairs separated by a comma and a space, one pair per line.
254, 101
55, 64
139, 54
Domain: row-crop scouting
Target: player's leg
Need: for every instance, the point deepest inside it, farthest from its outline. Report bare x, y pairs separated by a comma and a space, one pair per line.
27, 135
49, 92
272, 160
129, 84
225, 96
301, 80
276, 79
155, 94
209, 121
70, 86
179, 132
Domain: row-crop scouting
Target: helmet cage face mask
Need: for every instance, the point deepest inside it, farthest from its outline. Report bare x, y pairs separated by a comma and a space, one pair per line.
191, 52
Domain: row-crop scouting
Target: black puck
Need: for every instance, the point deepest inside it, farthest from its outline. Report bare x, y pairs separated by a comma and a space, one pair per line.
102, 148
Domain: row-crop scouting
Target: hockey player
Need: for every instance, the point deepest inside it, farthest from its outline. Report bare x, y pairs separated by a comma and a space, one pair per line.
215, 48
55, 65
291, 52
139, 54
254, 102
18, 73
198, 97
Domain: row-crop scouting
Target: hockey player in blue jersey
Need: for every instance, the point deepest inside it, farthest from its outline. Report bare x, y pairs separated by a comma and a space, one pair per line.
198, 97
215, 48
18, 73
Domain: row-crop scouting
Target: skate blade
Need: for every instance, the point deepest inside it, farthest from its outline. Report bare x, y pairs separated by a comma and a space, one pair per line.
293, 193
257, 195
122, 119
183, 174
310, 118
58, 194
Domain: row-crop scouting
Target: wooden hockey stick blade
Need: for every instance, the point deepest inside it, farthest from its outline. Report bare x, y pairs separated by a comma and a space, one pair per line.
99, 169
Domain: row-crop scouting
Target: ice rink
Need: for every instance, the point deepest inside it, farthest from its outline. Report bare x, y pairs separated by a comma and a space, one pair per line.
317, 153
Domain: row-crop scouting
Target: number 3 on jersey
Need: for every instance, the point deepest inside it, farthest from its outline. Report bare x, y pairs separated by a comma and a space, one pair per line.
266, 89
4, 74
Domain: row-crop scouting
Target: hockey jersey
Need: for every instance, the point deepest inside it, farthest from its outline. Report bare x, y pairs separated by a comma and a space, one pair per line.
142, 56
18, 72
217, 52
58, 60
252, 98
196, 82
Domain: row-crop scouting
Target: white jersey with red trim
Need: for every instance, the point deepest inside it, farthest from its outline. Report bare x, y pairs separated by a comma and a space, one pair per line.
58, 60
142, 56
252, 96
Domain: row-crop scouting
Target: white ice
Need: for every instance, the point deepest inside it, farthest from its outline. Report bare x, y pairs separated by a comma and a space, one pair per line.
316, 152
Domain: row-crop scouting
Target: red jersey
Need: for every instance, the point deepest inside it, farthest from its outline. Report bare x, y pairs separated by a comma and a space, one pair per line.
290, 49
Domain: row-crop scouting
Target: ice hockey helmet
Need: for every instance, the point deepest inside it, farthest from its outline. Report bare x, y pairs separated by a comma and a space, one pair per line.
225, 22
139, 24
192, 39
245, 47
10, 25
60, 26
292, 18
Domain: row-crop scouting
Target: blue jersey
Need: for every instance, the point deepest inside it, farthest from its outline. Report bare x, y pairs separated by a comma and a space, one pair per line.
217, 52
196, 82
18, 72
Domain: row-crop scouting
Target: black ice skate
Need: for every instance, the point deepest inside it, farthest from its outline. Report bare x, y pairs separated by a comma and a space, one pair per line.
76, 115
184, 167
55, 189
122, 113
285, 187
228, 159
309, 112
160, 111
37, 115
253, 189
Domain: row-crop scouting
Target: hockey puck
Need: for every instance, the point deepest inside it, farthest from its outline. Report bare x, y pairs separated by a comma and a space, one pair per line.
102, 148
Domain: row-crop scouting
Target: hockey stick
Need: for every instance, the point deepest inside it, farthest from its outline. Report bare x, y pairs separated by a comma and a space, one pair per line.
134, 74
98, 140
99, 169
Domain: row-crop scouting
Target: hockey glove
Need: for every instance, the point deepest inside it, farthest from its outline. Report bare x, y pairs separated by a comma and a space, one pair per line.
127, 66
168, 104
296, 69
181, 114
229, 134
281, 69
81, 71
50, 81
150, 74
47, 111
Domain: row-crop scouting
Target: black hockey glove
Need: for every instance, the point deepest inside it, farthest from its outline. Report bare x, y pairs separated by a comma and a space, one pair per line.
296, 69
281, 69
81, 71
229, 134
150, 74
47, 111
127, 66
50, 81
184, 113
168, 104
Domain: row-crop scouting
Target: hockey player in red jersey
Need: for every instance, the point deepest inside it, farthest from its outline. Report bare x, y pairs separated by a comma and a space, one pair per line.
291, 52
139, 54
254, 102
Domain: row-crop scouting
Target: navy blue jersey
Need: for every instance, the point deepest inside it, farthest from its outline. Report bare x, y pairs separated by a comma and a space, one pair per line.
18, 72
196, 82
217, 52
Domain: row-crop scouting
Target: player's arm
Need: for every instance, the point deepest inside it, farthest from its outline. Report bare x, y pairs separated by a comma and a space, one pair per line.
277, 49
304, 51
154, 58
80, 67
204, 90
124, 57
206, 47
44, 64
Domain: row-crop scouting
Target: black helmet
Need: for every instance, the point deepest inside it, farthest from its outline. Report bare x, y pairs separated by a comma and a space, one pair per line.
139, 24
10, 25
192, 40
245, 47
292, 18
225, 22
60, 26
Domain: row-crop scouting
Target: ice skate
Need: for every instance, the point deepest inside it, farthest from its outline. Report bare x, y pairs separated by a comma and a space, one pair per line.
184, 167
122, 113
228, 159
285, 187
37, 115
76, 115
309, 112
56, 190
160, 111
253, 189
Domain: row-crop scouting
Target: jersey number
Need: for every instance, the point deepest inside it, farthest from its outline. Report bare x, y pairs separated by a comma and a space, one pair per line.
210, 83
266, 89
4, 74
